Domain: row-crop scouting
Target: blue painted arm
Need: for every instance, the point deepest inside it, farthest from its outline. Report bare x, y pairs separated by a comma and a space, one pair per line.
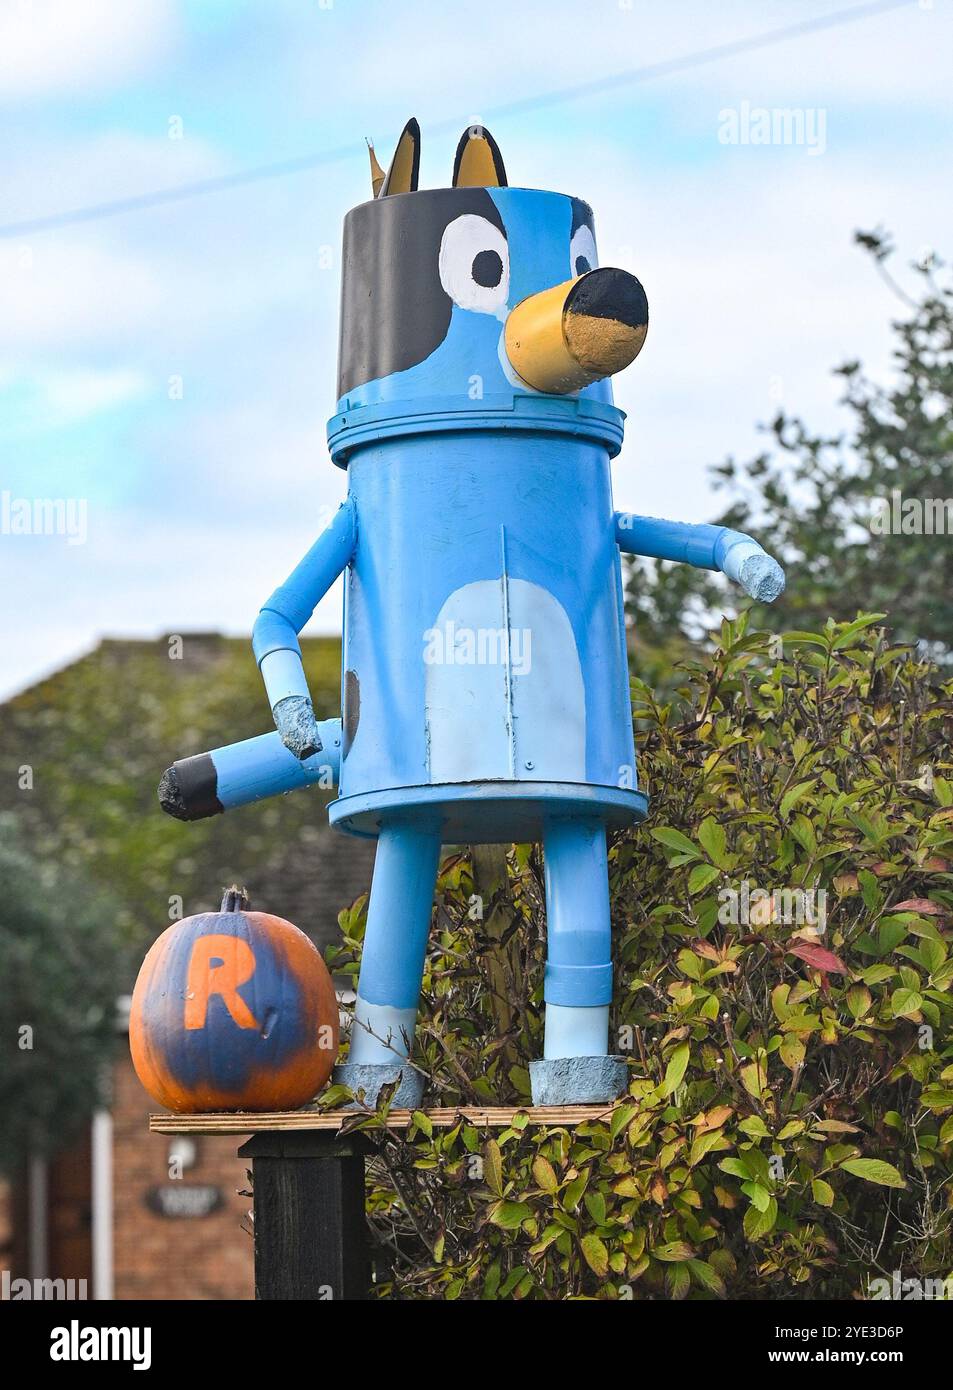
738, 556
275, 636
210, 783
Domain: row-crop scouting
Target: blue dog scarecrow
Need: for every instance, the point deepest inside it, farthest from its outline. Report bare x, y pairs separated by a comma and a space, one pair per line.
485, 681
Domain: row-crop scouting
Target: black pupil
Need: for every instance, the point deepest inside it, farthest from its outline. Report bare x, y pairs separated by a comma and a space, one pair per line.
487, 269
582, 265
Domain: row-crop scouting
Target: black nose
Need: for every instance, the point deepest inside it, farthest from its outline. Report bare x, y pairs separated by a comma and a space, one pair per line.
609, 293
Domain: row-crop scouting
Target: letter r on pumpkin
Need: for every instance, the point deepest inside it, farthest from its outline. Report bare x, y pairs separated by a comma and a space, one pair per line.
218, 965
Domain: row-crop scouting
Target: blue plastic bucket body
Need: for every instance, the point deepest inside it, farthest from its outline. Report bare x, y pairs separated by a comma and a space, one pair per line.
484, 635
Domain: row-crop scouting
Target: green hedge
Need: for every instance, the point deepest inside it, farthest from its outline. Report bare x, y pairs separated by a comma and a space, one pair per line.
789, 1127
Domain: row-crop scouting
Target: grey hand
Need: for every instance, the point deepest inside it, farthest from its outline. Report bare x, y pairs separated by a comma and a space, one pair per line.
762, 578
297, 726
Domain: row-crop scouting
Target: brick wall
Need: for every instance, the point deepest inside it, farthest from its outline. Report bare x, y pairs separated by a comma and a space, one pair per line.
160, 1257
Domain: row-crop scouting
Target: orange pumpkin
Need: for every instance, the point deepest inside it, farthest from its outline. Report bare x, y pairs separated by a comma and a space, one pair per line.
233, 1010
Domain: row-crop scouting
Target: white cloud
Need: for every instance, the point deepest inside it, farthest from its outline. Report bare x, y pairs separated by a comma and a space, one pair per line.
50, 46
57, 294
893, 58
139, 579
71, 396
175, 275
44, 175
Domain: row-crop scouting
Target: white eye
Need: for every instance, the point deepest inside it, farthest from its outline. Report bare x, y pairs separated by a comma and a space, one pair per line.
582, 251
474, 264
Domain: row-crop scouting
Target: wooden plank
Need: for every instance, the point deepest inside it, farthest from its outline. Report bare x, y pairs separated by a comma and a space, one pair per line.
482, 1117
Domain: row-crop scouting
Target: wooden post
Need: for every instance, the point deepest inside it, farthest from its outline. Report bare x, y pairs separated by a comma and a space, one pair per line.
310, 1231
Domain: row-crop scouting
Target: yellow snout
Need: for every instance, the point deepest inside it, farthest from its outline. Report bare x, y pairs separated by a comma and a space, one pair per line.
575, 333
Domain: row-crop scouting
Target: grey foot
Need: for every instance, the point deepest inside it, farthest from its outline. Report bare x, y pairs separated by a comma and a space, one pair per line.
369, 1078
762, 578
297, 726
578, 1080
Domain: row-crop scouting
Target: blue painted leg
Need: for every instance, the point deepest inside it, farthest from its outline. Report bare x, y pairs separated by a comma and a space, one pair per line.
576, 1069
395, 943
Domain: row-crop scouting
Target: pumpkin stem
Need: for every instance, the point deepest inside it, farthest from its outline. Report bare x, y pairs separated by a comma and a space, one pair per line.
235, 899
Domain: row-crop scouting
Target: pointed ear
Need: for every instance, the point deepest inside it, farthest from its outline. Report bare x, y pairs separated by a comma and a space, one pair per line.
377, 173
404, 169
478, 162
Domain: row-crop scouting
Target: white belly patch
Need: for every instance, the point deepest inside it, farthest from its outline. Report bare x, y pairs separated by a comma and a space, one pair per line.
504, 690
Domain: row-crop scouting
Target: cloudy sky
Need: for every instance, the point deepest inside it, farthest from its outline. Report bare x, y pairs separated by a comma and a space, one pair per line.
200, 499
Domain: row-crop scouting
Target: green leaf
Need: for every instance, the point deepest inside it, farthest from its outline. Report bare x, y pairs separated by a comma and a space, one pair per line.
703, 1144
423, 1123
796, 635
509, 1215
859, 1000
711, 837
707, 1277
493, 1167
793, 795
621, 1116
758, 1224
754, 1076
596, 1254
675, 1071
736, 1167
545, 1174
792, 1051
520, 1081
332, 1095
904, 1002
595, 1204
848, 633
822, 1192
700, 877
754, 1127
760, 1196
876, 974
574, 1190
803, 831
874, 1170
673, 1250
936, 1097
510, 1282
674, 839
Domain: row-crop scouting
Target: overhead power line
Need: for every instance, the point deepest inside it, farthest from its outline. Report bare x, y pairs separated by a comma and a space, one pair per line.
96, 212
